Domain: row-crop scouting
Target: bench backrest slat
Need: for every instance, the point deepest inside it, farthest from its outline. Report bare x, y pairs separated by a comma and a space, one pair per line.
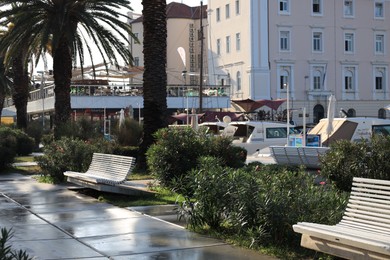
109, 165
369, 204
366, 226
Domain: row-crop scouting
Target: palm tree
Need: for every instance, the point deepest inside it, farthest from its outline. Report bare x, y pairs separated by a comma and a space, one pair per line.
4, 80
20, 91
3, 85
154, 77
65, 28
20, 78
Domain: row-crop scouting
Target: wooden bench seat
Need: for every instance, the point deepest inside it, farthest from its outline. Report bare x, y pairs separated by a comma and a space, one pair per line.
363, 232
106, 169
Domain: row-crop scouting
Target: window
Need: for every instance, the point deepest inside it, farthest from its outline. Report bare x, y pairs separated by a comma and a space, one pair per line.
237, 7
317, 80
284, 79
284, 6
380, 78
379, 9
276, 132
317, 41
136, 61
284, 41
219, 46
349, 79
238, 80
227, 11
379, 82
227, 44
238, 41
348, 8
317, 8
348, 42
379, 43
218, 14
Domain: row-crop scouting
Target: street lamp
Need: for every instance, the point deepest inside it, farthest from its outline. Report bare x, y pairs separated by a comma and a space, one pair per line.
288, 111
42, 96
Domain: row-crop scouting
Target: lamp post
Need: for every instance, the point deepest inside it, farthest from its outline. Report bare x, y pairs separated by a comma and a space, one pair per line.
139, 112
43, 96
288, 111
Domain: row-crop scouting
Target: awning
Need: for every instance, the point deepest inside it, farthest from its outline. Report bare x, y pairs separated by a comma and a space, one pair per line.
342, 129
249, 105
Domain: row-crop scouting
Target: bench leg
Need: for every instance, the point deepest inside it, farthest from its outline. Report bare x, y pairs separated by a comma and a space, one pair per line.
337, 249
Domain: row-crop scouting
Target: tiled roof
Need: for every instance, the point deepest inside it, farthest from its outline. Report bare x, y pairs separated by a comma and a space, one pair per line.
178, 10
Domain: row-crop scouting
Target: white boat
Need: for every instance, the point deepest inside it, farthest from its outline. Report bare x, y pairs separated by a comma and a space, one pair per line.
350, 128
257, 135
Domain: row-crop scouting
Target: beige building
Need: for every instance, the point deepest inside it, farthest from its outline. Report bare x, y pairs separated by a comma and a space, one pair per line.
308, 48
183, 27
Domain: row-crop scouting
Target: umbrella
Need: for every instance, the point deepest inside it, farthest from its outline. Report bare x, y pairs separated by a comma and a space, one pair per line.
121, 117
248, 105
331, 110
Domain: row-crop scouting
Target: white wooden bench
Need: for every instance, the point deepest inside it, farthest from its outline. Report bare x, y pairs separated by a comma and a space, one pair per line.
363, 232
104, 170
296, 156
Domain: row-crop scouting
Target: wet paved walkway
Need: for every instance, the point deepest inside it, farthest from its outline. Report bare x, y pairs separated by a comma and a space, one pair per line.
53, 222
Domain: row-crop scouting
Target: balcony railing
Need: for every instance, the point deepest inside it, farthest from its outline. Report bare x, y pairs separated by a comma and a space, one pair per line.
132, 90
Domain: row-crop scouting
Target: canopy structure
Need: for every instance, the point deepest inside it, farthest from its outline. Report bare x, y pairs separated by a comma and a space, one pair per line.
342, 129
250, 105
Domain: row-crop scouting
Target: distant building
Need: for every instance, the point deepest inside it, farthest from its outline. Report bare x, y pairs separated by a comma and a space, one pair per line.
309, 48
183, 26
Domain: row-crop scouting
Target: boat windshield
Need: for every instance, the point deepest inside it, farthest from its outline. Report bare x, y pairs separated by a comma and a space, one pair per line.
381, 129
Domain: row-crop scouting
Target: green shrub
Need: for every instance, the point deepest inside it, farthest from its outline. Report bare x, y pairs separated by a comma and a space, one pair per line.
84, 129
131, 151
35, 130
260, 204
25, 143
221, 147
346, 160
8, 147
6, 251
176, 152
68, 154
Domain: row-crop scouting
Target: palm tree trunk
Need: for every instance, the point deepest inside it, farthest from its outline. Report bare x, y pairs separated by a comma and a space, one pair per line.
155, 77
20, 93
2, 98
62, 72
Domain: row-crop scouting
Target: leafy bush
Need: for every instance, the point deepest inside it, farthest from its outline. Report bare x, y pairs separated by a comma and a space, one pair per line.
83, 129
34, 130
68, 154
260, 205
6, 251
176, 152
8, 146
25, 144
126, 150
346, 160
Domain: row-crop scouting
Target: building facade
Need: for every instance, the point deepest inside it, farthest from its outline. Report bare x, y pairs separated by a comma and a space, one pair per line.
306, 50
183, 28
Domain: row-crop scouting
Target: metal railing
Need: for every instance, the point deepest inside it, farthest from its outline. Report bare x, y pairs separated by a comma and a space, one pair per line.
132, 90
